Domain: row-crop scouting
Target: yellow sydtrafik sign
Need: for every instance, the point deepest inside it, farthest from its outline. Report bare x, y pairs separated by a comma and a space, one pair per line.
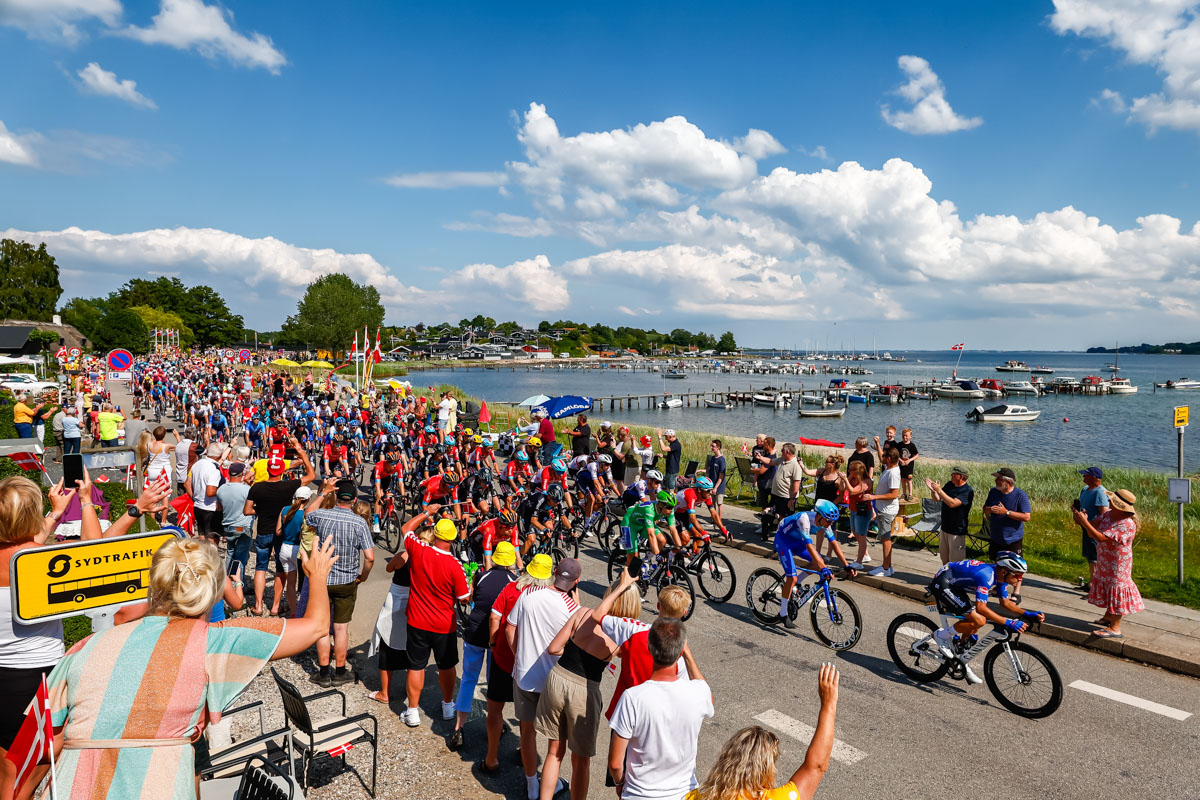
63, 580
1181, 416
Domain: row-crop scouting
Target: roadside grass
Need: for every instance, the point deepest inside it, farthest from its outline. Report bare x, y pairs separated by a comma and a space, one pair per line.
1052, 541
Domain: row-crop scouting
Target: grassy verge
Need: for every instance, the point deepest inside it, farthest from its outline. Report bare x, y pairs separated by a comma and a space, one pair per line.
1052, 541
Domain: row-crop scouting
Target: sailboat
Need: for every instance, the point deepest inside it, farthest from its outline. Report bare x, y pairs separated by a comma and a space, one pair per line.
1115, 366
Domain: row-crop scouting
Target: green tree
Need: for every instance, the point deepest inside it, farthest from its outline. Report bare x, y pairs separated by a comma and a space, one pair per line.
209, 318
29, 287
168, 294
332, 309
125, 329
85, 314
727, 343
157, 318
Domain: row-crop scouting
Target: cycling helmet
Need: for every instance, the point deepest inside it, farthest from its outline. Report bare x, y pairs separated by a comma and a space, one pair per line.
468, 432
604, 458
430, 429
522, 455
354, 423
558, 465
555, 493
310, 414
534, 441
485, 442
827, 510
666, 498
477, 439
654, 475
451, 479
1012, 562
340, 421
507, 517
392, 453
439, 449
646, 440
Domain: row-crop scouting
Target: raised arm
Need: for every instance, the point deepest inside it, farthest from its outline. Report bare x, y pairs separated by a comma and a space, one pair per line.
820, 748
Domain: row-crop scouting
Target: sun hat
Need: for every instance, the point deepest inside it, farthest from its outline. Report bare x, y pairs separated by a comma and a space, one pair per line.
1123, 500
276, 465
504, 554
540, 567
445, 530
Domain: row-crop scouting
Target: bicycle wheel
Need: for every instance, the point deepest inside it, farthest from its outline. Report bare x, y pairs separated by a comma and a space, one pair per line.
393, 532
616, 563
716, 576
910, 642
838, 624
608, 535
1030, 687
677, 576
558, 554
764, 589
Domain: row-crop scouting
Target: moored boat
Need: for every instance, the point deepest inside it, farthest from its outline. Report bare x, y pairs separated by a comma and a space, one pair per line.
671, 402
1021, 388
1121, 386
960, 390
1013, 366
1002, 413
822, 412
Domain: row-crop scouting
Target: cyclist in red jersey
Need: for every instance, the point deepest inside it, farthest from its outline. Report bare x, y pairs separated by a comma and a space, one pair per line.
501, 529
335, 459
441, 489
686, 502
389, 476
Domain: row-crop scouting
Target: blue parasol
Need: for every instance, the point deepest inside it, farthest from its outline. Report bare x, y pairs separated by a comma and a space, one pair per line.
566, 406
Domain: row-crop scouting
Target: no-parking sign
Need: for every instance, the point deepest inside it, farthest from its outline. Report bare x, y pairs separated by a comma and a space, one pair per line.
244, 355
118, 360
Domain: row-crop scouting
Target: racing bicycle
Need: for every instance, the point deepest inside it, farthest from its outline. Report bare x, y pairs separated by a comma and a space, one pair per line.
713, 570
1020, 677
389, 522
656, 572
834, 615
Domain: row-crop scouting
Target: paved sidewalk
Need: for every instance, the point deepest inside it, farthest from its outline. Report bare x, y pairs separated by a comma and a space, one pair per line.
1163, 635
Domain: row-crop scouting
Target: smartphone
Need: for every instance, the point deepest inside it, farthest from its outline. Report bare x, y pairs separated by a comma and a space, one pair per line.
1075, 505
72, 469
235, 568
635, 567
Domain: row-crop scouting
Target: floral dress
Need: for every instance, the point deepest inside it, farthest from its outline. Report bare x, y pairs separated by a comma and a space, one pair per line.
131, 699
1112, 582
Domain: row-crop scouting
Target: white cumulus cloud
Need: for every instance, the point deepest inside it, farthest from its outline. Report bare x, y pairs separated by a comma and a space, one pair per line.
1163, 34
446, 180
930, 112
193, 25
758, 145
98, 80
532, 283
16, 149
57, 19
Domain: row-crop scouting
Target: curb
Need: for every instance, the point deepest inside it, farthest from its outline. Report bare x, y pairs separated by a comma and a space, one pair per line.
1131, 651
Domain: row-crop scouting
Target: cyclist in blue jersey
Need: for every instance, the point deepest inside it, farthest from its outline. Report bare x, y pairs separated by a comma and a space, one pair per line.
963, 587
794, 537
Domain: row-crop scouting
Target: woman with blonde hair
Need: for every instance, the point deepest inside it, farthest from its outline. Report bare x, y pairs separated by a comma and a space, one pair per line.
745, 768
570, 708
128, 702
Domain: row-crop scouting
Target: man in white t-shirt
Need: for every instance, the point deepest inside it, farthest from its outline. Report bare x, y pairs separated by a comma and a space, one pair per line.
181, 458
206, 477
534, 621
444, 416
656, 725
887, 506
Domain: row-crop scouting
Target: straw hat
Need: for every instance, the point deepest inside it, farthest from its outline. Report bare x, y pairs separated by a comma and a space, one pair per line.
1123, 500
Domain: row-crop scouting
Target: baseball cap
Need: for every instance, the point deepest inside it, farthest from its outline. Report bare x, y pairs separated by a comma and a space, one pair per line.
1092, 472
566, 574
276, 465
236, 468
540, 567
504, 554
346, 490
669, 432
606, 424
304, 493
1005, 472
959, 471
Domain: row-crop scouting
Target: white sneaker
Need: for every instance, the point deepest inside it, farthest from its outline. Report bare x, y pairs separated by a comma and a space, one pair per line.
945, 640
447, 710
972, 678
868, 559
375, 527
411, 717
880, 572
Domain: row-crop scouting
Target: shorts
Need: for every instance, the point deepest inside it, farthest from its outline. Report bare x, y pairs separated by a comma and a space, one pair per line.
525, 704
341, 601
949, 600
499, 683
265, 544
289, 556
422, 644
788, 547
390, 658
571, 710
860, 521
618, 470
1089, 548
20, 684
996, 548
884, 523
718, 499
632, 535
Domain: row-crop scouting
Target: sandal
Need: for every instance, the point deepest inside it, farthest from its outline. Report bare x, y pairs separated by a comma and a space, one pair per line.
375, 696
1108, 633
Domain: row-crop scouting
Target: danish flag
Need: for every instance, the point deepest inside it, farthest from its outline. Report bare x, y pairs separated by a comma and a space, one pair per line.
958, 346
35, 739
27, 461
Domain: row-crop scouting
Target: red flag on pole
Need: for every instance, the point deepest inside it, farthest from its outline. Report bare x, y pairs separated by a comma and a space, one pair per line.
187, 513
27, 461
958, 346
484, 415
377, 356
35, 739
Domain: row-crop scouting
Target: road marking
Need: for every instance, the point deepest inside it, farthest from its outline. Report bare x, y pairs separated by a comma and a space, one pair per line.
1130, 700
796, 729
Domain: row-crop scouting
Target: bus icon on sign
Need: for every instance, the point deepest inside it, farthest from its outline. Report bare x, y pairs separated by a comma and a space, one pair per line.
117, 583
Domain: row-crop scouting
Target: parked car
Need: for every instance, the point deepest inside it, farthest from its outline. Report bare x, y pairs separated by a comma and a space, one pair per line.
18, 382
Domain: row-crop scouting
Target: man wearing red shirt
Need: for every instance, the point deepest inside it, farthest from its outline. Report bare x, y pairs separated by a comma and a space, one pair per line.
438, 582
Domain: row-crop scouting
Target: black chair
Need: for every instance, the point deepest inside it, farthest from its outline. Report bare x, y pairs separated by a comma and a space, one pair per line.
332, 736
274, 747
259, 781
690, 472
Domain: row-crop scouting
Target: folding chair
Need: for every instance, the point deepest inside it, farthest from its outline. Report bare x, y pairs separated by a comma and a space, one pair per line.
274, 747
745, 476
981, 540
261, 781
928, 522
333, 736
690, 472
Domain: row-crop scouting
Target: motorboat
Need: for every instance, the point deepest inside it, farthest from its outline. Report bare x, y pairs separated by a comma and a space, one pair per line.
1013, 366
710, 403
671, 402
822, 412
1021, 388
675, 374
1002, 413
1066, 382
1121, 386
888, 395
993, 387
1182, 383
769, 399
1092, 384
815, 399
960, 390
1041, 371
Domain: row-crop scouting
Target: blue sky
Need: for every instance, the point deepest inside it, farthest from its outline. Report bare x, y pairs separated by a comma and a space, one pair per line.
759, 168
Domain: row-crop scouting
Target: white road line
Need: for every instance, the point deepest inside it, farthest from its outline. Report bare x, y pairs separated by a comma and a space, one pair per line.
796, 729
1130, 700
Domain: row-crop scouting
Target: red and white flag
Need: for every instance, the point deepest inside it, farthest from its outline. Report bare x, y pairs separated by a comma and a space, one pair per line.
745, 447
376, 356
958, 346
35, 740
186, 511
27, 461
162, 481
354, 351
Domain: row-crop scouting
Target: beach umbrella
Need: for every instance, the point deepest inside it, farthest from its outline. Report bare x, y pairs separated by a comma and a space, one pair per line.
485, 416
321, 364
566, 406
285, 362
536, 400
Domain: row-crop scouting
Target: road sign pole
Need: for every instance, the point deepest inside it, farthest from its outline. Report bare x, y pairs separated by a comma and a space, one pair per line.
1179, 530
